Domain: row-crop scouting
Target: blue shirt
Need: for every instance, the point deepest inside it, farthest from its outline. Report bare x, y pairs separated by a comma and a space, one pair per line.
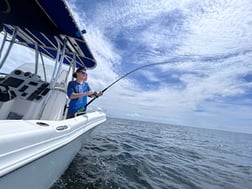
78, 103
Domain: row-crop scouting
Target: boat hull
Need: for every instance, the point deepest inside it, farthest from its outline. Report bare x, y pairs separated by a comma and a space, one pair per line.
41, 172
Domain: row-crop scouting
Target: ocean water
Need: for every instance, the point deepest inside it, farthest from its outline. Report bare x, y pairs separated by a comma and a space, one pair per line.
127, 154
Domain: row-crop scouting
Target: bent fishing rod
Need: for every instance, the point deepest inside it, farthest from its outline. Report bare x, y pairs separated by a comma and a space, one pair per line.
125, 75
192, 58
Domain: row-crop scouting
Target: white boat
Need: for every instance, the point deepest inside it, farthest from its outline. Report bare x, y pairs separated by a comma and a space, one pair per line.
37, 142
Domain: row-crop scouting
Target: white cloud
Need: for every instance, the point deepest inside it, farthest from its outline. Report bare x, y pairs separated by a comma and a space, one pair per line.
212, 39
217, 27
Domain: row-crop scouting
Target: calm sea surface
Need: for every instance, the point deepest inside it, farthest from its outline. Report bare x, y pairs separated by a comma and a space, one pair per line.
130, 154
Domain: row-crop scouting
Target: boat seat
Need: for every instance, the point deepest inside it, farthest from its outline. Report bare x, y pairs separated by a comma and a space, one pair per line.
54, 108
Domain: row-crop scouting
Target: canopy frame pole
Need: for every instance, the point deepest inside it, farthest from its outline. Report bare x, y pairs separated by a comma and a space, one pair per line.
36, 58
9, 47
59, 63
43, 65
3, 43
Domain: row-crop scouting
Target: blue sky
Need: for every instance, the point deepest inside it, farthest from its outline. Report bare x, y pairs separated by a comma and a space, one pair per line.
207, 81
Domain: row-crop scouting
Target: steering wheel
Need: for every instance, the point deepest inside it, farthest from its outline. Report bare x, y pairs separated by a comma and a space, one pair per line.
3, 88
5, 93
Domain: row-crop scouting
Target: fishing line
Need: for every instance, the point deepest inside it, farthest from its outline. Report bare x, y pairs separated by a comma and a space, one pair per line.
125, 75
185, 58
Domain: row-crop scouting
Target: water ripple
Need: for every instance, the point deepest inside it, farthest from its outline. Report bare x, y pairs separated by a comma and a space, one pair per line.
126, 154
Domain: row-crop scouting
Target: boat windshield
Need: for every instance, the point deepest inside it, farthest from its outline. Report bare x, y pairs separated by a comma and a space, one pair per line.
29, 68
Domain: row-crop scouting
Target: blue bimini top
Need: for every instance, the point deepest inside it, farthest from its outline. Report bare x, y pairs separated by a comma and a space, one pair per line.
51, 26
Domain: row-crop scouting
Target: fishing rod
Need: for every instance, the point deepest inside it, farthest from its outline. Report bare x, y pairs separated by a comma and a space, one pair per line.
192, 58
125, 75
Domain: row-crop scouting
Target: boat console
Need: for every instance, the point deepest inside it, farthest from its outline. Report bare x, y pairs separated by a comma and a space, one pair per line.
23, 85
21, 94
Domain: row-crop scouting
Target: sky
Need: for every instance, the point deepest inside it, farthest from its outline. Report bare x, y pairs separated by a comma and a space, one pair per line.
205, 47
